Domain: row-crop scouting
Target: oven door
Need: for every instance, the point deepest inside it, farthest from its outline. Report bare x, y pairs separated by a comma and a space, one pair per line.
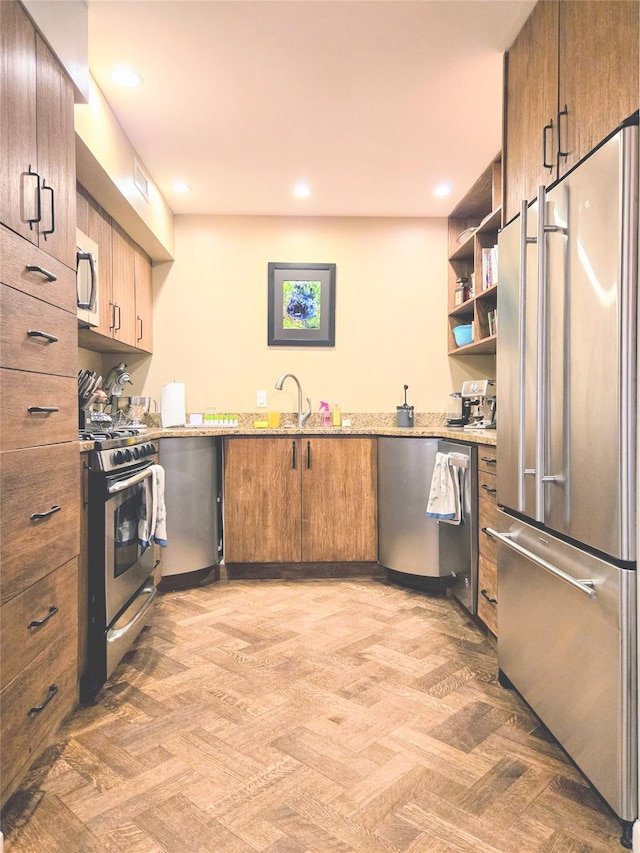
129, 560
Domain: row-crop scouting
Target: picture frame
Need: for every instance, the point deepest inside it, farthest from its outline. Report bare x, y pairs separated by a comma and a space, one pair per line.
301, 305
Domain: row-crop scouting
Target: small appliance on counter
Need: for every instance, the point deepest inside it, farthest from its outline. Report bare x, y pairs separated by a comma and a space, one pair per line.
481, 397
404, 413
459, 410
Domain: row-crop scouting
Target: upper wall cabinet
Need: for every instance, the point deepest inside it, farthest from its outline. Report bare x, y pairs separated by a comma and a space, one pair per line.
572, 77
37, 149
125, 295
473, 275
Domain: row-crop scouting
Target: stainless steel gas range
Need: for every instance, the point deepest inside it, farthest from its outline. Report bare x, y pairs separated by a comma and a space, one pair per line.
121, 551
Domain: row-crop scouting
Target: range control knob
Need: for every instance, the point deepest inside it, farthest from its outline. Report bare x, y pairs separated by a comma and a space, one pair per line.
127, 455
136, 453
143, 450
117, 458
152, 448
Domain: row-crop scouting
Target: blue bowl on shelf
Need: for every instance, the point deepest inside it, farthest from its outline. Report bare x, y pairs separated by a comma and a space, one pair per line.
463, 334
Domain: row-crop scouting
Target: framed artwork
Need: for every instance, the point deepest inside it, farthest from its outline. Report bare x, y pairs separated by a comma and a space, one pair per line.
302, 305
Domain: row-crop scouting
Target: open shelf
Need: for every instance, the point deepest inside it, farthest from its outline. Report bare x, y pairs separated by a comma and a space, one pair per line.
473, 237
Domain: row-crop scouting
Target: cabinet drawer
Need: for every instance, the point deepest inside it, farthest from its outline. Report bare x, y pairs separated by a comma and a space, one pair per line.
17, 254
20, 391
487, 458
488, 594
53, 602
486, 544
25, 730
487, 485
35, 481
54, 349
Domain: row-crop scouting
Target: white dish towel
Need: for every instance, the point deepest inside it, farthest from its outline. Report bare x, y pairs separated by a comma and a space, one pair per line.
153, 529
444, 495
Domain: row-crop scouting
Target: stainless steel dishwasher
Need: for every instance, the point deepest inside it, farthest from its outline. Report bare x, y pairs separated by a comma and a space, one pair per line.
193, 498
422, 552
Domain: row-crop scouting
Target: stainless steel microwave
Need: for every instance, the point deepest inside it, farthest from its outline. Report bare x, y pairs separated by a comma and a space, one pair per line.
87, 281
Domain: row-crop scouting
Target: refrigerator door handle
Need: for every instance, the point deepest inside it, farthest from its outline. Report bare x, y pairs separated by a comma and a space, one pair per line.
584, 586
541, 362
522, 332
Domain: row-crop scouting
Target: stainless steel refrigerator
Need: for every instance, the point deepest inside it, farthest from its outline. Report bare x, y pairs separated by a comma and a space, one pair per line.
566, 481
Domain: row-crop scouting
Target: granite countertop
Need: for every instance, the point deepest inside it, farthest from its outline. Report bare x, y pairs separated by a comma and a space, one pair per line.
374, 427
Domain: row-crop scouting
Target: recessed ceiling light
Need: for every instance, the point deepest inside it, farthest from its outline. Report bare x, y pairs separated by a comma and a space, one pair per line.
182, 187
442, 190
301, 189
125, 76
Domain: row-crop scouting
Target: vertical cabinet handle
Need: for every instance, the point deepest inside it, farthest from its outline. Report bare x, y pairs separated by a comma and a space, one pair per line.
48, 275
113, 316
293, 455
308, 455
36, 623
35, 709
565, 113
47, 231
140, 335
119, 326
548, 128
36, 333
38, 216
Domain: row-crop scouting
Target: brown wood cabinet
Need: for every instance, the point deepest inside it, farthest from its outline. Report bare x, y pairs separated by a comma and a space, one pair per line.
300, 499
572, 77
37, 153
473, 234
126, 290
487, 559
39, 404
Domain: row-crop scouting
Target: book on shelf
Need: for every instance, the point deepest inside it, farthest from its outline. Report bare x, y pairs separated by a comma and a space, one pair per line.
489, 267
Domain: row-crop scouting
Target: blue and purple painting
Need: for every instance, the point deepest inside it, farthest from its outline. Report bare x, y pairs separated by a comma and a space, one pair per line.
301, 304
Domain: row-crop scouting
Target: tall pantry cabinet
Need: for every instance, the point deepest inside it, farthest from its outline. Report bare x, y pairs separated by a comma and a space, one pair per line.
38, 398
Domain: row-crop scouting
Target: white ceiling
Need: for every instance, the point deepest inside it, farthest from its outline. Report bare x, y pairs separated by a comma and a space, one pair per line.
372, 102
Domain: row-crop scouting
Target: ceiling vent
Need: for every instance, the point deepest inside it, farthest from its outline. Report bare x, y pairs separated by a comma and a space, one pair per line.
140, 180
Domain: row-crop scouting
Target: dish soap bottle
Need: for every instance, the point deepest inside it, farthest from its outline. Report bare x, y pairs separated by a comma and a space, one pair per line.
325, 417
336, 417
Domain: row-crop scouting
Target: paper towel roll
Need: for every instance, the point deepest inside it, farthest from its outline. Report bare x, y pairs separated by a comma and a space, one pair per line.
172, 405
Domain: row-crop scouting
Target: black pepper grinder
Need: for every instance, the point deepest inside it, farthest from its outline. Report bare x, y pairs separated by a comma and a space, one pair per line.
404, 413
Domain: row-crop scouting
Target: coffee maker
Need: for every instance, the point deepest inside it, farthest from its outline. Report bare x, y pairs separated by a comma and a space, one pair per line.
482, 401
459, 410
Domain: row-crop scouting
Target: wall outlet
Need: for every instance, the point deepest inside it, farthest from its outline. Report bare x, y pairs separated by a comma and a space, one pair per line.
261, 399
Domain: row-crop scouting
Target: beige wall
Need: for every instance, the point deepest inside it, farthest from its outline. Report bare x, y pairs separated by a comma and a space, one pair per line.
210, 315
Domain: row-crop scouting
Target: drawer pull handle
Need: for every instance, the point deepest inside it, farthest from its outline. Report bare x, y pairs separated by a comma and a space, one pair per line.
53, 689
488, 489
488, 459
35, 333
36, 623
36, 516
484, 593
37, 410
48, 275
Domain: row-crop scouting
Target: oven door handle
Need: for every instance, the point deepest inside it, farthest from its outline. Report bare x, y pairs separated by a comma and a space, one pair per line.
115, 634
121, 485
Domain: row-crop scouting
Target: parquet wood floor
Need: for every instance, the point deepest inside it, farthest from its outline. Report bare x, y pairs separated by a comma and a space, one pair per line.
307, 717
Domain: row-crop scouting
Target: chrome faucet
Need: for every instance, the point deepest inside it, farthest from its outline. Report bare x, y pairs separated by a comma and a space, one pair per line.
302, 416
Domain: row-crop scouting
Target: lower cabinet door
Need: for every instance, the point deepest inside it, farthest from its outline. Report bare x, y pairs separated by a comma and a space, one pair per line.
339, 500
262, 500
34, 704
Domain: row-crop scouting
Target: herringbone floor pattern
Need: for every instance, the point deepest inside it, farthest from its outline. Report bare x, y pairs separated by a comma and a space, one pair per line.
307, 717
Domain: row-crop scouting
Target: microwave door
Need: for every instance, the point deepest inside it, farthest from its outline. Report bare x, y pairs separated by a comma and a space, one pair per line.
86, 288
87, 281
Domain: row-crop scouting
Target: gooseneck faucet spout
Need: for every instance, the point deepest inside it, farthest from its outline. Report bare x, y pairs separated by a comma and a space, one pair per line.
302, 416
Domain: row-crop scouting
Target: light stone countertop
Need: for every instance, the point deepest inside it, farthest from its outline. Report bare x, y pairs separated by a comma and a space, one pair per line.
360, 428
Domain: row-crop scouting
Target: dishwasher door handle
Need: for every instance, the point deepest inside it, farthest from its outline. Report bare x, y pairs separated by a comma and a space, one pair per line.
584, 586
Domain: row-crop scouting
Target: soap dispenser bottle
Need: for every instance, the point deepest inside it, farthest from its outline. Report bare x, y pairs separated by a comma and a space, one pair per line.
325, 417
336, 416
